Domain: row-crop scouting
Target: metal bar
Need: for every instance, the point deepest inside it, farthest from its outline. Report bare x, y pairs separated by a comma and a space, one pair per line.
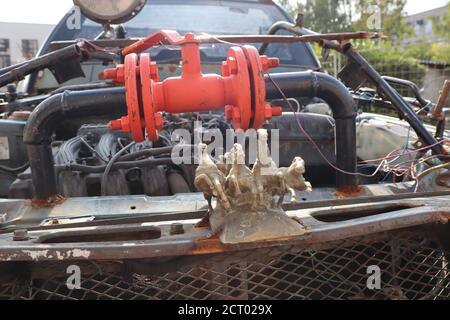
200, 241
313, 37
400, 104
18, 72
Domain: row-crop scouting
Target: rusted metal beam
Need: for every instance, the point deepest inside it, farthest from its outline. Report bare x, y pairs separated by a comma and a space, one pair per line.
437, 113
200, 241
122, 43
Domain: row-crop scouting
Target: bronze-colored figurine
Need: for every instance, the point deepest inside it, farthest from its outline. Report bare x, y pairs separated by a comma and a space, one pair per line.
246, 210
241, 185
210, 180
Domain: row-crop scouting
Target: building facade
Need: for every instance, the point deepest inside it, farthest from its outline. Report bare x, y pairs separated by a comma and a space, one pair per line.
422, 24
21, 41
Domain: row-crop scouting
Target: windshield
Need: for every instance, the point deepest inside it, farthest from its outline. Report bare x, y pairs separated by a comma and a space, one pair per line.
213, 17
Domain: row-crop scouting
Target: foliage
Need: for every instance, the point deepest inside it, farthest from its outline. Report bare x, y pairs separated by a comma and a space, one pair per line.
326, 15
441, 25
352, 15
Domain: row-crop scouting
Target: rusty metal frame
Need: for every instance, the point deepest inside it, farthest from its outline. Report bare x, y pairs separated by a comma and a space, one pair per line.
198, 241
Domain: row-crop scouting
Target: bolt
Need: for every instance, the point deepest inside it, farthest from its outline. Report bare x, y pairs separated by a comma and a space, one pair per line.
154, 72
120, 125
270, 112
229, 113
116, 125
117, 75
236, 117
269, 63
176, 229
277, 111
159, 121
225, 69
189, 36
232, 66
20, 235
110, 74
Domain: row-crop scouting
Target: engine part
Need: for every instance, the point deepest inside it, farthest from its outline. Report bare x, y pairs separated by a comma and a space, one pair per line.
111, 102
358, 67
241, 88
332, 91
400, 104
148, 168
77, 160
45, 118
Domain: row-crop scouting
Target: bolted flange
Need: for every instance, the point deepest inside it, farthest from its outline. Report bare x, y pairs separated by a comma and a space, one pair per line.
240, 89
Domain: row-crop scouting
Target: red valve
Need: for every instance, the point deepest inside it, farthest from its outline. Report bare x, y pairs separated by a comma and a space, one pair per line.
241, 88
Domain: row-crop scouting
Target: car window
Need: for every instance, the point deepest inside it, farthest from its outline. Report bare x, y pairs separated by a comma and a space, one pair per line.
213, 17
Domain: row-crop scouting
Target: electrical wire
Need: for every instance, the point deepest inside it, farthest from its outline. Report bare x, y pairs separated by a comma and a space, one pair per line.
407, 153
302, 129
432, 169
93, 150
15, 170
110, 165
383, 160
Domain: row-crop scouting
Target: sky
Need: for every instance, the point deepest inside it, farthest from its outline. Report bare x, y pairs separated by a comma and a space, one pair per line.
50, 11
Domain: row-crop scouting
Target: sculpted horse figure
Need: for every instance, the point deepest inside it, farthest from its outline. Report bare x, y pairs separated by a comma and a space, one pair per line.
268, 178
294, 180
240, 179
210, 180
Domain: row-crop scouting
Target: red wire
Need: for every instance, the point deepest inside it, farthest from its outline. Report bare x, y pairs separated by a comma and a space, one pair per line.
324, 157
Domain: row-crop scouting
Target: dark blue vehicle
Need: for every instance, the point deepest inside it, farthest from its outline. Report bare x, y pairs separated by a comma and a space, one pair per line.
234, 17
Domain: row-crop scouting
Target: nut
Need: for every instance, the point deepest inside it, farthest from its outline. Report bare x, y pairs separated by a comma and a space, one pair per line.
176, 229
20, 235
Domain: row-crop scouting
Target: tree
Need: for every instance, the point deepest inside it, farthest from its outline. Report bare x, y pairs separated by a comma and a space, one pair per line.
441, 25
327, 15
352, 15
391, 14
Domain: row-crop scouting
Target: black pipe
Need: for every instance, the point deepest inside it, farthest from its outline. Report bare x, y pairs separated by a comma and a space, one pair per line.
49, 114
18, 72
118, 165
300, 31
146, 153
332, 91
414, 88
277, 26
383, 87
392, 95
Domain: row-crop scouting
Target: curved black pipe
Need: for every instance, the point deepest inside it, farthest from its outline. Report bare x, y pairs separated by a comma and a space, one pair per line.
300, 31
332, 91
277, 26
49, 114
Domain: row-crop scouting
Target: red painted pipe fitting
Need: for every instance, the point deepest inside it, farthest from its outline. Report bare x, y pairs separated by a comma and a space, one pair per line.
240, 89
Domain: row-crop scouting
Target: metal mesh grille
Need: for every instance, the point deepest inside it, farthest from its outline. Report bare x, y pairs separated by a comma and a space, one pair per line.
412, 267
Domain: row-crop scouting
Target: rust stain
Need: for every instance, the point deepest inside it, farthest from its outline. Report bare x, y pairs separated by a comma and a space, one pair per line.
204, 223
442, 218
209, 245
443, 180
349, 191
47, 203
